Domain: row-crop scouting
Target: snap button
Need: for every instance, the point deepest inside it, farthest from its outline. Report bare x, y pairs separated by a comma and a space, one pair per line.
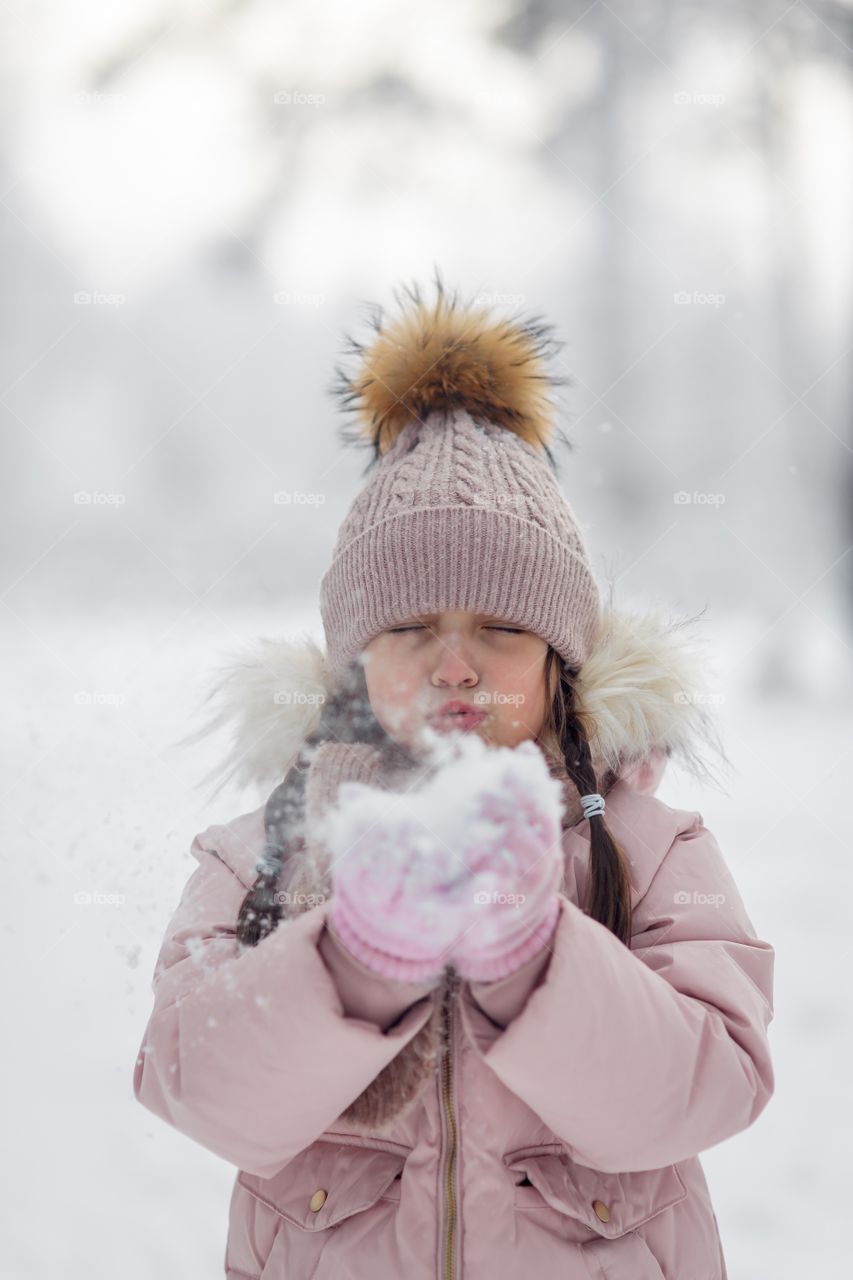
601, 1210
317, 1200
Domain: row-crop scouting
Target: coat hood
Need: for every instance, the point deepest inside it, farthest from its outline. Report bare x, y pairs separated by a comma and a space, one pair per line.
640, 691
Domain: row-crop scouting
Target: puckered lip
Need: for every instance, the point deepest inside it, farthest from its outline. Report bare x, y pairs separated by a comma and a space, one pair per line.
456, 707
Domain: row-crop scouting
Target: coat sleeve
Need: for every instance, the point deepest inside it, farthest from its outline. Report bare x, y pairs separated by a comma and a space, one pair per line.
639, 1058
252, 1053
362, 992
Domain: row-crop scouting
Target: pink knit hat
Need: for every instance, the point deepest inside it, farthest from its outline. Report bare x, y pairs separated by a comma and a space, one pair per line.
463, 510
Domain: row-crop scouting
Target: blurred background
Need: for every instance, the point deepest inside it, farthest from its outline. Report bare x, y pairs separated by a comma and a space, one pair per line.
196, 201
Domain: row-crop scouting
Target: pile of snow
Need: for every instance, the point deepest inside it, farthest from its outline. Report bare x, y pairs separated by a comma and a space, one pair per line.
474, 822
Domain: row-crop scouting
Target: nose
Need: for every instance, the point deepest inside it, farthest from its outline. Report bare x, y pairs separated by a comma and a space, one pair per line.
452, 667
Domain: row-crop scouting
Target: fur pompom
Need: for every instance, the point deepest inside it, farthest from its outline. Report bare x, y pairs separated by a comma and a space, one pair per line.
445, 356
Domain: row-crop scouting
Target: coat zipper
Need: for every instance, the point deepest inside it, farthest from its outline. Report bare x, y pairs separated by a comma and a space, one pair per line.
449, 1214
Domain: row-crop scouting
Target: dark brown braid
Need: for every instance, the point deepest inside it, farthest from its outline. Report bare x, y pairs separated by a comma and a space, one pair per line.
346, 717
609, 894
261, 909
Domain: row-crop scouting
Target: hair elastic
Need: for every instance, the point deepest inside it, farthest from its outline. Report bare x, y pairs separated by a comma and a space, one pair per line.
271, 860
592, 805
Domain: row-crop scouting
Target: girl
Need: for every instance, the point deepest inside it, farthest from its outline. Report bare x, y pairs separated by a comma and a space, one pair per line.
481, 1012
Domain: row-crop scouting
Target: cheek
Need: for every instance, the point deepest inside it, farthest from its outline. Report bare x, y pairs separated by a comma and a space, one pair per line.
524, 710
392, 688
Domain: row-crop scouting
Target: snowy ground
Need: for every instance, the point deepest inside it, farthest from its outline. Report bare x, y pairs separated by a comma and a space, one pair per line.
98, 801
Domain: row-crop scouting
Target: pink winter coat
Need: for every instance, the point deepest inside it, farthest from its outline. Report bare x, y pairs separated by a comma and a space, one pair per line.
558, 1135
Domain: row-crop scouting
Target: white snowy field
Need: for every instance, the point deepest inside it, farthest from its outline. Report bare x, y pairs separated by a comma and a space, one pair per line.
99, 801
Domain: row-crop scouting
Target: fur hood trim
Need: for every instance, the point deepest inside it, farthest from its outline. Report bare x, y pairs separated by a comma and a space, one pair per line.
641, 689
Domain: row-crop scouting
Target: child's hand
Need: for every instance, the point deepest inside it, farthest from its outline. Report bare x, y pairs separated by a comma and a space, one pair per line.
398, 901
512, 847
464, 869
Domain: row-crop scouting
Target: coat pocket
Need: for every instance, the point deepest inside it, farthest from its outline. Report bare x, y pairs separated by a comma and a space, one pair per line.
608, 1204
320, 1193
602, 1211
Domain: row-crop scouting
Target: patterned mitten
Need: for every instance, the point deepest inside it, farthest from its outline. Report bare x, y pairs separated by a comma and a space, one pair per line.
512, 847
398, 900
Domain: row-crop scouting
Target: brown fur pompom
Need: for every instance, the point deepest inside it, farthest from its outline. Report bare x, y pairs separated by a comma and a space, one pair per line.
449, 355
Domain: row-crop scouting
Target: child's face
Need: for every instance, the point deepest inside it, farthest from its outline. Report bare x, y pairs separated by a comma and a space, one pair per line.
492, 666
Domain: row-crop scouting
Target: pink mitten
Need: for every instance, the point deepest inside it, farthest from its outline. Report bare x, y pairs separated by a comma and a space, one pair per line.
513, 848
398, 902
